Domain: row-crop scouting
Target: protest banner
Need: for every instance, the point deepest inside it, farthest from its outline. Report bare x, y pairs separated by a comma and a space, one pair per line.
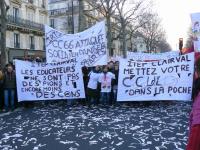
169, 79
42, 81
148, 56
88, 47
195, 17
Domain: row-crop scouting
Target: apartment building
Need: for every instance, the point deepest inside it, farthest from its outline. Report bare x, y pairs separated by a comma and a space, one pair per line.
25, 28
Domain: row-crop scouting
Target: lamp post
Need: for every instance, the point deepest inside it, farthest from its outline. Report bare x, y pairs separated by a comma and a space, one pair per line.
180, 45
72, 16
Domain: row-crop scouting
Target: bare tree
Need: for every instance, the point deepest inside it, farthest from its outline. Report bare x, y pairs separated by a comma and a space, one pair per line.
82, 21
4, 54
164, 46
131, 18
107, 8
190, 37
153, 32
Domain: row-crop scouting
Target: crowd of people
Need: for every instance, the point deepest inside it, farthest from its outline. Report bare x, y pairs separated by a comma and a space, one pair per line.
101, 84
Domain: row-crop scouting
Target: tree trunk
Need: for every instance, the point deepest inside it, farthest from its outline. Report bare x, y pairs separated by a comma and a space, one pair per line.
109, 36
82, 21
4, 53
124, 48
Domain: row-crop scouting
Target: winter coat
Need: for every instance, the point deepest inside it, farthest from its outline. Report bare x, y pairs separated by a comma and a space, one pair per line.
9, 80
195, 113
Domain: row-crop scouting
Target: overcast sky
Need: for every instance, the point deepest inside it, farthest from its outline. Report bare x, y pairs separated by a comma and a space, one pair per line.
175, 15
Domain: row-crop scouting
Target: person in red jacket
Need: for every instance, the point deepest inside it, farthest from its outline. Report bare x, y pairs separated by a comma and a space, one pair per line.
194, 134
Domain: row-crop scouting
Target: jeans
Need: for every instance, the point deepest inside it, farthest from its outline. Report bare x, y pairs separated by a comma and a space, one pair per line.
9, 96
105, 97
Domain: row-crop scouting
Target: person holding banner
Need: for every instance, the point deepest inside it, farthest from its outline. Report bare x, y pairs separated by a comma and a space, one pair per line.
9, 86
92, 87
106, 79
115, 82
194, 134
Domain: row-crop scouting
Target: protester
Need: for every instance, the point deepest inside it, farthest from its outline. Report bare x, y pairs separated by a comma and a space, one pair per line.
111, 66
105, 79
115, 82
9, 87
194, 133
85, 79
92, 92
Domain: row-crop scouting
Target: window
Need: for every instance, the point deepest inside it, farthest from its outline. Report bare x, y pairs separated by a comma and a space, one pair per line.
52, 23
30, 15
70, 21
30, 1
43, 3
15, 14
44, 44
32, 42
42, 19
16, 40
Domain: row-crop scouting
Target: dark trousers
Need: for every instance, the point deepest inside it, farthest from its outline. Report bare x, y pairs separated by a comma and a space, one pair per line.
9, 98
105, 97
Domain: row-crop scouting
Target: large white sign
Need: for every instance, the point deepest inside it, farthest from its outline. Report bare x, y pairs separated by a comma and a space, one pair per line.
195, 17
169, 79
147, 56
88, 47
41, 81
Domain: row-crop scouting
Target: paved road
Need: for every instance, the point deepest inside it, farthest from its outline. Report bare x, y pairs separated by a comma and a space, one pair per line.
159, 126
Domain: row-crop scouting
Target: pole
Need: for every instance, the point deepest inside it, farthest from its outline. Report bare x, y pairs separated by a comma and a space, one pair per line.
72, 17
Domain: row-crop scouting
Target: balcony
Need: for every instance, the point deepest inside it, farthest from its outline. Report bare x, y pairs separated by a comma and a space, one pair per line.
64, 11
17, 21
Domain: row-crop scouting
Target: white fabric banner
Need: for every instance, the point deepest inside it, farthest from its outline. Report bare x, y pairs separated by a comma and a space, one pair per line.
195, 17
42, 81
169, 79
148, 56
89, 47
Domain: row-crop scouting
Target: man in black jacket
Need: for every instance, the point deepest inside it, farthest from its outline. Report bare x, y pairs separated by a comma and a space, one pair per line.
9, 86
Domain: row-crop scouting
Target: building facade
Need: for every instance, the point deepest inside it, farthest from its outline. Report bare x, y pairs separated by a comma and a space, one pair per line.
64, 15
138, 45
25, 28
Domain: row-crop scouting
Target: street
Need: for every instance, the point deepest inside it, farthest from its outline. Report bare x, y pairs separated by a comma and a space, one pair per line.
56, 126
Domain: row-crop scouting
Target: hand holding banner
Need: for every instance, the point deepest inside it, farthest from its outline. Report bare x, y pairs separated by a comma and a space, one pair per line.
89, 47
42, 81
169, 79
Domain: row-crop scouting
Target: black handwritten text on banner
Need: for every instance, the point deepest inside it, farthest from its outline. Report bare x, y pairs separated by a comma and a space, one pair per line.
169, 79
148, 56
89, 47
41, 81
